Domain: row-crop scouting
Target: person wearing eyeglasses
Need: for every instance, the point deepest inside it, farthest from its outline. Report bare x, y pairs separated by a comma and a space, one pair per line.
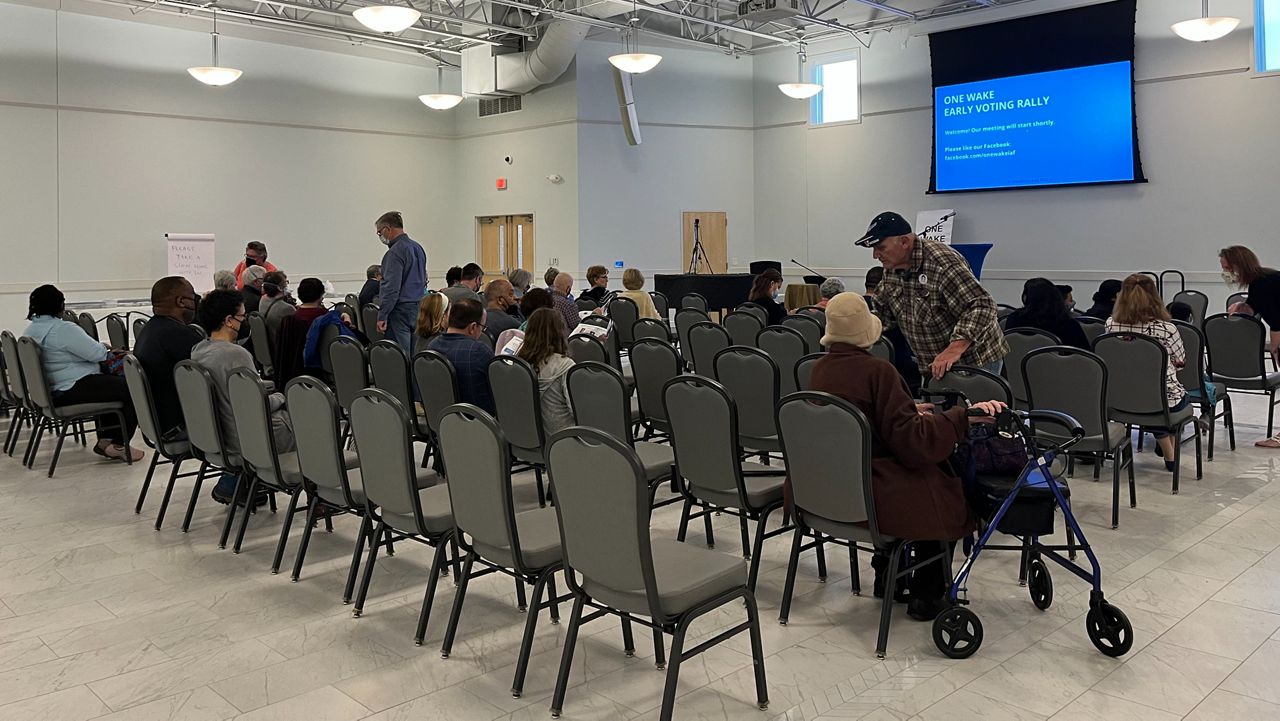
255, 254
404, 280
163, 342
470, 356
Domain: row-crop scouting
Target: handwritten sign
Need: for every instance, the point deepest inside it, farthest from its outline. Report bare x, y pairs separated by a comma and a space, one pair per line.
935, 224
191, 256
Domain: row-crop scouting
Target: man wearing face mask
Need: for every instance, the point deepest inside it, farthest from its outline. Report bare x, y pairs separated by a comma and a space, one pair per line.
404, 280
255, 253
165, 340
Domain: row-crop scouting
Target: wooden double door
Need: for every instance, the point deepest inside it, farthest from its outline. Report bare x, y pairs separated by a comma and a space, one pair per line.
505, 242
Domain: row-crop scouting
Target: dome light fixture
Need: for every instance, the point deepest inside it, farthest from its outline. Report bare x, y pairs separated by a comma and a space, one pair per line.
215, 74
387, 19
801, 89
631, 60
440, 100
1205, 28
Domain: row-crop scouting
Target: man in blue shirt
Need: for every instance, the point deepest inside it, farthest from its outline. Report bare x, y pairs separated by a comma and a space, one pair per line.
470, 357
404, 280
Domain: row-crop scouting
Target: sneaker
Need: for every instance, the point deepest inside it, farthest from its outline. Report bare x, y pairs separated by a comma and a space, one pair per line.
119, 452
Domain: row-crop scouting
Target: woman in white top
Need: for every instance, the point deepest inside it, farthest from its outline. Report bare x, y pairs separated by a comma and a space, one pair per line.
1139, 309
546, 349
633, 281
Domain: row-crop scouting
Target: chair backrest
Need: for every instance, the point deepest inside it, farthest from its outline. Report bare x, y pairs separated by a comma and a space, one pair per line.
653, 363
349, 365
262, 342
706, 339
1191, 374
1092, 327
199, 329
624, 313
755, 309
517, 401
882, 349
384, 442
315, 413
1004, 311
743, 325
369, 319
695, 301
249, 403
599, 399
685, 319
751, 377
1236, 346
585, 304
477, 462
827, 445
649, 328
70, 316
144, 403
437, 384
13, 365
1071, 381
390, 372
704, 433
587, 348
808, 327
976, 384
86, 323
1236, 298
804, 371
1199, 303
117, 332
1021, 342
328, 334
1136, 369
31, 359
138, 324
199, 411
662, 305
786, 347
7, 393
816, 313
603, 510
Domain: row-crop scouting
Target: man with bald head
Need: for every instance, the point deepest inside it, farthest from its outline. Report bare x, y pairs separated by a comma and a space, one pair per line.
560, 290
165, 340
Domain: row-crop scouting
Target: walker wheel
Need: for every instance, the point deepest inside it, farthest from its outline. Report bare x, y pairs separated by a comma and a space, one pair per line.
957, 632
1109, 629
1040, 584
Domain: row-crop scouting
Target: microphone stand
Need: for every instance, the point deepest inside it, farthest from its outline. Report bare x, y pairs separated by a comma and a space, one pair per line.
698, 256
811, 270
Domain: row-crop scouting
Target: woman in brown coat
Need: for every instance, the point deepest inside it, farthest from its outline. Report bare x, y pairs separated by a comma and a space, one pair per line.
917, 497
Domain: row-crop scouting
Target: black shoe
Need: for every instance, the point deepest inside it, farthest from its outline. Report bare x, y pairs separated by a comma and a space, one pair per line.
220, 497
1169, 466
925, 610
260, 500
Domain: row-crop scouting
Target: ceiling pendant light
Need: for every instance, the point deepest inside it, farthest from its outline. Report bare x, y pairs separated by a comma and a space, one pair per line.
387, 18
1205, 28
440, 100
214, 74
631, 60
800, 90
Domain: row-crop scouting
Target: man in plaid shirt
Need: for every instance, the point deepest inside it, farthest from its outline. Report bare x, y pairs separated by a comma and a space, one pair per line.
930, 292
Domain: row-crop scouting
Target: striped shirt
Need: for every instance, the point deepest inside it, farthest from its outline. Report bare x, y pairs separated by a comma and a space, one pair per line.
1166, 334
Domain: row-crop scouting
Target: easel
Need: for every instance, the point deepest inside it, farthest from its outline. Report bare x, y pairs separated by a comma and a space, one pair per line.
698, 256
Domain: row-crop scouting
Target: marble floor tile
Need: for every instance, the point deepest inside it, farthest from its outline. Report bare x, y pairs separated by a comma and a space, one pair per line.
445, 705
1223, 630
200, 704
1167, 677
1221, 561
1092, 705
1226, 706
967, 704
1256, 588
77, 703
19, 654
1256, 677
1167, 592
1044, 678
322, 704
171, 677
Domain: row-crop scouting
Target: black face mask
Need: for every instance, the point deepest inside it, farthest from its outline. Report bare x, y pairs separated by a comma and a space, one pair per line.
194, 301
250, 260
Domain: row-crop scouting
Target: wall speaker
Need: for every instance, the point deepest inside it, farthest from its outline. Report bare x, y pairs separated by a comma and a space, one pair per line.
627, 106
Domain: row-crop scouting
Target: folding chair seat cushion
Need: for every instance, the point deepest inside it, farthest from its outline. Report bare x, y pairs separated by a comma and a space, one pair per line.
768, 444
424, 477
231, 462
1154, 420
539, 534
1116, 433
437, 514
1254, 383
173, 449
656, 459
85, 409
528, 455
289, 468
761, 490
841, 529
685, 576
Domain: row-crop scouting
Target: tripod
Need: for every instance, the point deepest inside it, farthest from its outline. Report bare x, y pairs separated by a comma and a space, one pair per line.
698, 256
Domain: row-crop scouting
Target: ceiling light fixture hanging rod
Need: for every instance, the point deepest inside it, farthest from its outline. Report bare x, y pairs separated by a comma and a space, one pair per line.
608, 24
426, 14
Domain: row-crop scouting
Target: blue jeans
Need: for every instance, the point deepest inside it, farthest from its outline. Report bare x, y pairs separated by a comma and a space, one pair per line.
994, 367
400, 324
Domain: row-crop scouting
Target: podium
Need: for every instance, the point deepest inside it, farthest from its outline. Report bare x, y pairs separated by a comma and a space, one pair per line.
975, 254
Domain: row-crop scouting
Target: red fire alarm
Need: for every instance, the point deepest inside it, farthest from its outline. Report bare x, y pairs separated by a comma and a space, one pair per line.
500, 183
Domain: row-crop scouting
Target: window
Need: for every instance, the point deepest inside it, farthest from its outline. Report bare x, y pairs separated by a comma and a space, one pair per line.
838, 102
1267, 29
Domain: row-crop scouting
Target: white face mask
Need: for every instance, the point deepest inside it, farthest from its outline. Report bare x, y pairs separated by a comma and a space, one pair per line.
1229, 277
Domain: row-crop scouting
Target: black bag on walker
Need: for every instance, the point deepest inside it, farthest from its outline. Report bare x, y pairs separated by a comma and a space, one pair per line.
989, 466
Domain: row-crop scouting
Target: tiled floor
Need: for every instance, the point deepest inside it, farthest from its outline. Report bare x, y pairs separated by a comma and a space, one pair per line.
103, 617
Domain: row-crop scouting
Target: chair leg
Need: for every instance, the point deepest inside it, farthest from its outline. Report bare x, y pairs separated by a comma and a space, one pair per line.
1199, 457
659, 650
284, 529
522, 602
313, 503
820, 555
754, 571
855, 575
1133, 488
1230, 422
57, 449
673, 671
530, 626
757, 651
1271, 414
1211, 411
566, 656
542, 491
628, 638
33, 442
424, 616
366, 528
706, 523
793, 562
886, 604
746, 537
168, 489
458, 597
195, 494
15, 426
146, 483
367, 577
684, 520
248, 511
231, 510
552, 598
1115, 490
1177, 459
1098, 460
128, 455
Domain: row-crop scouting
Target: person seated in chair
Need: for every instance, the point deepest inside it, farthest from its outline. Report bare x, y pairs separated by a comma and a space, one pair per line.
633, 283
765, 290
467, 285
276, 304
500, 298
372, 286
546, 350
470, 356
433, 313
1044, 308
597, 284
917, 496
830, 288
165, 341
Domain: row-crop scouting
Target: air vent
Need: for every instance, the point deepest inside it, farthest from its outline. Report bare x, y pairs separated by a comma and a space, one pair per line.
498, 106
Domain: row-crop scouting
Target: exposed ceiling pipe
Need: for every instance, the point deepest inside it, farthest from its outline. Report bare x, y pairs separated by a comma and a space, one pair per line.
557, 48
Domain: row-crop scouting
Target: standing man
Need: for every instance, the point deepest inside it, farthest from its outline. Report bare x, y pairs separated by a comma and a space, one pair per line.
930, 292
404, 280
255, 253
165, 340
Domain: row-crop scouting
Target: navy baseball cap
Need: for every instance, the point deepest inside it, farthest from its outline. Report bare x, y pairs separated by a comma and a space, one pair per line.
886, 225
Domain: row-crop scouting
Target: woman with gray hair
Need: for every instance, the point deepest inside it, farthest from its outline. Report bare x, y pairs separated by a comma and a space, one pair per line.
224, 280
830, 288
520, 279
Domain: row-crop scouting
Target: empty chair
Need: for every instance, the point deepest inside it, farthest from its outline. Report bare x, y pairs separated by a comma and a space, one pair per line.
350, 367
15, 392
754, 309
662, 305
650, 328
751, 378
1235, 298
804, 370
369, 320
390, 372
808, 327
786, 347
816, 313
518, 403
1092, 327
976, 384
604, 526
1236, 347
138, 324
438, 384
706, 339
117, 332
743, 326
86, 322
587, 348
624, 313
261, 343
685, 319
1206, 393
695, 301
525, 545
1137, 390
1199, 303
653, 362
204, 432
882, 349
704, 433
172, 452
1021, 342
1075, 382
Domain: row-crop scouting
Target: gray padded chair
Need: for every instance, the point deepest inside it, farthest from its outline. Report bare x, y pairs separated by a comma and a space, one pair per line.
808, 327
389, 368
16, 393
1236, 347
1192, 377
1136, 393
350, 364
704, 433
407, 503
686, 318
755, 309
438, 384
662, 305
173, 452
975, 384
786, 347
605, 533
55, 417
816, 313
828, 445
261, 343
524, 545
751, 378
624, 314
599, 400
804, 371
585, 304
706, 339
88, 325
518, 403
695, 301
138, 324
650, 328
743, 325
654, 362
1235, 298
328, 336
586, 348
196, 392
1092, 327
1021, 342
369, 321
882, 349
1199, 303
117, 332
1075, 382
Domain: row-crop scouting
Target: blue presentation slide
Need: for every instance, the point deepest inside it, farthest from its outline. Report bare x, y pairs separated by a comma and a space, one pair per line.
1055, 128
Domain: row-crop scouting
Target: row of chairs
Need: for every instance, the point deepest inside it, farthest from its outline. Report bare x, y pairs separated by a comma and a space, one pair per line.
118, 326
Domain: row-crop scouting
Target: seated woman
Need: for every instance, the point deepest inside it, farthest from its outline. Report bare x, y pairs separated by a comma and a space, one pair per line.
917, 497
764, 293
221, 313
597, 284
509, 340
432, 317
1104, 301
633, 281
1044, 308
72, 361
276, 304
830, 288
546, 350
1140, 310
